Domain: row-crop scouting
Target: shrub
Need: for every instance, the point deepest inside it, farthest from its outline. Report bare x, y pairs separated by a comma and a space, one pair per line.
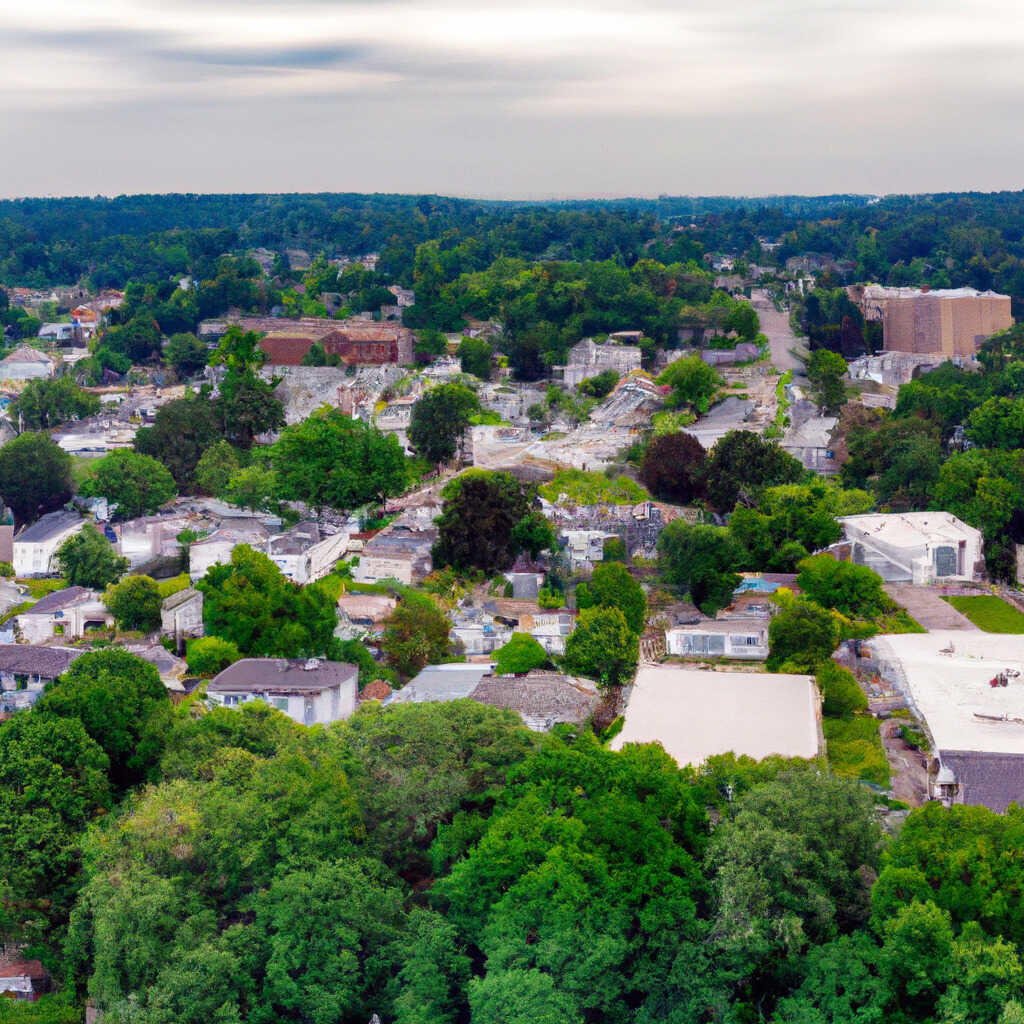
208, 655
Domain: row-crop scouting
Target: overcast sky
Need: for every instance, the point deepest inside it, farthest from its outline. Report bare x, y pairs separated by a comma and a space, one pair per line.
499, 98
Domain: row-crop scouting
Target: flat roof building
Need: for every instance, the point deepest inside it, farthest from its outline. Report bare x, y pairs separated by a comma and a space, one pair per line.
696, 714
976, 728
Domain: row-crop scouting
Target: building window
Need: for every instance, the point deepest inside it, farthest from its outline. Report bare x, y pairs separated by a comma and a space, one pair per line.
281, 703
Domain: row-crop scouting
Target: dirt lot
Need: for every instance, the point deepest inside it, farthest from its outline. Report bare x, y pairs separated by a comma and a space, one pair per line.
928, 608
907, 765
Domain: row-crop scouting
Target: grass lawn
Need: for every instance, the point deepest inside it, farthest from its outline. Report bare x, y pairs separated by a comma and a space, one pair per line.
991, 614
593, 488
855, 749
174, 584
81, 469
39, 588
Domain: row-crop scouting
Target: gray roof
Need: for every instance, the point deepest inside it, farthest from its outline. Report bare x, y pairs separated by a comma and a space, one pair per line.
991, 780
27, 659
282, 675
180, 597
61, 599
442, 683
539, 697
26, 354
50, 525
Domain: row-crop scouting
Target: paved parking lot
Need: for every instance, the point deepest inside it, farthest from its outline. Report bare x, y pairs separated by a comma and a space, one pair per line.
928, 608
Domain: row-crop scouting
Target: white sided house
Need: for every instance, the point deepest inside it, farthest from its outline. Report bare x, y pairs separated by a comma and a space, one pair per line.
68, 613
743, 639
309, 691
304, 553
26, 363
36, 545
914, 547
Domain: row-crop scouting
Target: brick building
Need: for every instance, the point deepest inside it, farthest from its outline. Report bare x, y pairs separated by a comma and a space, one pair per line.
354, 342
952, 322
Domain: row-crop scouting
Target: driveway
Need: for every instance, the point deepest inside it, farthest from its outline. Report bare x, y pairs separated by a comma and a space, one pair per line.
928, 608
775, 327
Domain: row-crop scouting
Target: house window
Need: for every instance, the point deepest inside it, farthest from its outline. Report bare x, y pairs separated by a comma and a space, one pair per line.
20, 682
281, 703
230, 700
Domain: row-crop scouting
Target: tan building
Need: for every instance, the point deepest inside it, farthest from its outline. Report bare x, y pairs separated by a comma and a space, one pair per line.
950, 321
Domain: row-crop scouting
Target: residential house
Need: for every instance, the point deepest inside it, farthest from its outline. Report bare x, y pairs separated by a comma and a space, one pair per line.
181, 616
743, 639
61, 333
362, 613
541, 699
639, 527
400, 551
913, 547
526, 577
24, 981
172, 669
304, 553
354, 341
584, 548
453, 681
35, 546
26, 670
478, 631
744, 352
307, 690
26, 363
216, 549
68, 613
809, 441
149, 538
549, 628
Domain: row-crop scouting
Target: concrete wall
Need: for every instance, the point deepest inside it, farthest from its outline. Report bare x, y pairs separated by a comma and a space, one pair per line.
950, 325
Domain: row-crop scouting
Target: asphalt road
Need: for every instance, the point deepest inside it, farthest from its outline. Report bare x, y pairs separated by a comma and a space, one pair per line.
775, 326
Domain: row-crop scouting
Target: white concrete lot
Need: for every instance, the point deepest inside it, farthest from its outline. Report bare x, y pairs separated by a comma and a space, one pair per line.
952, 690
695, 714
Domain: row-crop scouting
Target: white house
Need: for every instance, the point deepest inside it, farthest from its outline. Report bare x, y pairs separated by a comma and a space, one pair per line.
68, 613
914, 547
744, 639
304, 554
216, 549
26, 363
307, 690
549, 629
181, 616
35, 546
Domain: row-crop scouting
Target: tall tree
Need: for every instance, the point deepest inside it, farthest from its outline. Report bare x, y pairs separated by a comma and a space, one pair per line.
602, 647
673, 468
439, 420
88, 559
479, 516
612, 586
139, 484
331, 460
35, 476
43, 404
183, 429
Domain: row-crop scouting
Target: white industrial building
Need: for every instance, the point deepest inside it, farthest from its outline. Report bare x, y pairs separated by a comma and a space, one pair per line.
915, 547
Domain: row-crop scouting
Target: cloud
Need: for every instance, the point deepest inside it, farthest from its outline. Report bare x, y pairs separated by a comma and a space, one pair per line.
830, 89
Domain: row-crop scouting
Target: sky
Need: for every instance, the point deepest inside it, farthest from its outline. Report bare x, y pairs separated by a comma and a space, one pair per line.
507, 99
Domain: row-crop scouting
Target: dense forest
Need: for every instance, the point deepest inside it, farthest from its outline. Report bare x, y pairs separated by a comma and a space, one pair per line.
439, 864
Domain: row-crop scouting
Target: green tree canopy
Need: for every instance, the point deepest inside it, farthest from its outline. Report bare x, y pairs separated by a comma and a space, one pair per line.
702, 559
673, 467
88, 559
215, 468
123, 704
479, 517
208, 655
801, 636
35, 476
854, 590
182, 430
602, 647
826, 371
521, 654
135, 603
742, 463
185, 354
439, 420
139, 484
693, 382
416, 634
612, 586
333, 461
475, 354
249, 603
43, 404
